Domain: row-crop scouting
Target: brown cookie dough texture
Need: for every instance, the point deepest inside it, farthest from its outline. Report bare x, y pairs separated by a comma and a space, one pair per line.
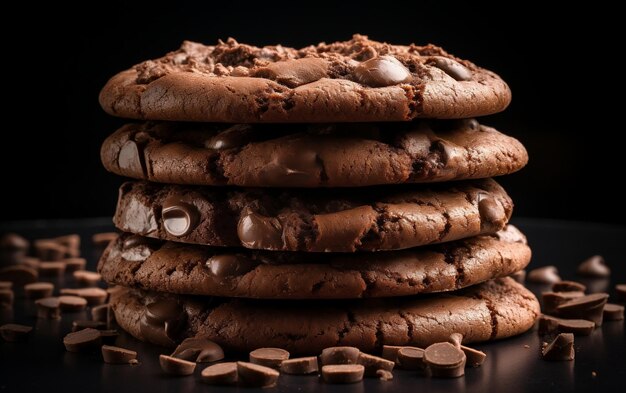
492, 310
357, 80
171, 267
299, 155
314, 220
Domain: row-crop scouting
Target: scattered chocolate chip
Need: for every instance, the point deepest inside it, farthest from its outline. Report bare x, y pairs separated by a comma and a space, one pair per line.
74, 264
109, 336
373, 363
199, 350
561, 348
176, 366
81, 324
6, 298
544, 275
220, 374
51, 269
38, 290
19, 275
102, 313
411, 358
384, 375
594, 266
254, 375
117, 355
6, 285
69, 303
93, 296
613, 312
474, 357
568, 286
87, 278
12, 332
552, 325
269, 357
551, 300
300, 366
71, 244
339, 355
31, 262
587, 307
445, 360
620, 291
14, 242
101, 240
390, 352
83, 340
49, 250
48, 308
343, 373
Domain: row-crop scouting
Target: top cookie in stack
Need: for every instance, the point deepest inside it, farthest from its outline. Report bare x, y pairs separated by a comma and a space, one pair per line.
352, 108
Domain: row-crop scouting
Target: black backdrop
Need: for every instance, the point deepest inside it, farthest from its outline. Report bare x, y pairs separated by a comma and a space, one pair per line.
556, 63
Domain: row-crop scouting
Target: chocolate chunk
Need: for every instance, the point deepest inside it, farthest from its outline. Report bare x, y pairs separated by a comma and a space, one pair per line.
343, 373
69, 303
74, 264
390, 352
101, 240
138, 248
93, 296
551, 300
117, 355
568, 286
49, 250
130, 160
38, 290
71, 244
230, 265
544, 275
339, 355
179, 218
384, 375
620, 291
102, 313
445, 360
374, 363
381, 71
162, 321
587, 307
300, 366
613, 312
12, 332
6, 298
411, 358
81, 324
87, 278
257, 231
85, 340
492, 214
6, 285
552, 325
451, 67
561, 348
594, 266
199, 350
220, 374
51, 269
13, 242
19, 275
254, 375
269, 357
175, 366
48, 308
109, 336
519, 276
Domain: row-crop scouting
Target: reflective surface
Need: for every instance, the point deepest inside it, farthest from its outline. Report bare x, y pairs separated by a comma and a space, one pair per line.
512, 365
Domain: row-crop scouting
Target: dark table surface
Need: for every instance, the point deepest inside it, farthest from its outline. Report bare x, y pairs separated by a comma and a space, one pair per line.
42, 364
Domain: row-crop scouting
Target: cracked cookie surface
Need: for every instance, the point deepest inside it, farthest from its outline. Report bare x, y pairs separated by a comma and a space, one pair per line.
314, 220
355, 80
200, 270
299, 155
492, 310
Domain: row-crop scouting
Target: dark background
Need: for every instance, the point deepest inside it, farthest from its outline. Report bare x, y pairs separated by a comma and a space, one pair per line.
559, 65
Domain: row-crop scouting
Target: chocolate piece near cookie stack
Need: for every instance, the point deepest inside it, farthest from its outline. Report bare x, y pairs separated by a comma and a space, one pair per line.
304, 198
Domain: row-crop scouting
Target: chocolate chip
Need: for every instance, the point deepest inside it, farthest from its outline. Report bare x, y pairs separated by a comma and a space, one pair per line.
81, 324
12, 332
109, 336
31, 262
93, 296
451, 67
174, 366
411, 358
544, 275
384, 375
254, 375
69, 303
199, 350
374, 363
613, 312
339, 355
85, 340
48, 308
101, 240
6, 298
71, 244
552, 325
519, 276
343, 373
257, 231
102, 313
594, 266
49, 250
38, 290
561, 348
587, 307
74, 264
234, 136
381, 71
568, 286
475, 358
162, 321
492, 214
269, 357
220, 374
87, 278
14, 242
229, 265
551, 300
445, 360
620, 291
19, 275
51, 269
300, 366
390, 352
179, 218
117, 355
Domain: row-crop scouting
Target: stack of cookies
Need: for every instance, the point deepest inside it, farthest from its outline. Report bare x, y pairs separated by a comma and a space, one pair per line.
297, 198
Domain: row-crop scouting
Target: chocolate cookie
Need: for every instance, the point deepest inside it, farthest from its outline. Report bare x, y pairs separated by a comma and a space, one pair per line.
491, 310
342, 220
160, 266
299, 155
356, 80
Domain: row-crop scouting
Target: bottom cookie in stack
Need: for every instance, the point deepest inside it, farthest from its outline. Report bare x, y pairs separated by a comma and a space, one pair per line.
169, 291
